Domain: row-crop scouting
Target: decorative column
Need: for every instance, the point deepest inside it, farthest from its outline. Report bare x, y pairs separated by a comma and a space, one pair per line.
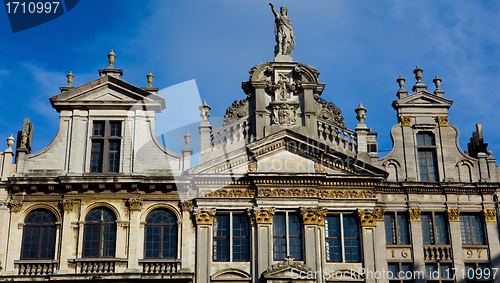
186, 153
15, 234
456, 240
263, 218
135, 207
188, 241
67, 236
368, 220
204, 219
417, 242
313, 219
490, 218
205, 129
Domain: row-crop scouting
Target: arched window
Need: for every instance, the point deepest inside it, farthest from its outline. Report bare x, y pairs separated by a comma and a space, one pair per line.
161, 234
427, 160
99, 236
39, 235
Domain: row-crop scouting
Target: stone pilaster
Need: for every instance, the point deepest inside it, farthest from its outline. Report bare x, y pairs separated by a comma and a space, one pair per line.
135, 207
492, 236
262, 217
368, 220
204, 220
67, 236
15, 233
417, 242
456, 240
313, 219
188, 237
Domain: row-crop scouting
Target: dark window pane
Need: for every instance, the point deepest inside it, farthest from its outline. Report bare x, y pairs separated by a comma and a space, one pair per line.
96, 157
390, 229
221, 238
441, 229
114, 156
333, 246
241, 249
161, 234
351, 239
295, 236
427, 230
403, 229
39, 235
99, 237
279, 241
98, 129
115, 129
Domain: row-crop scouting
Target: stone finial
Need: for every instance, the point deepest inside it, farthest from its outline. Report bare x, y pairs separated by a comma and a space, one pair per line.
418, 74
24, 139
10, 141
70, 77
205, 110
437, 82
401, 82
111, 57
150, 79
360, 111
187, 139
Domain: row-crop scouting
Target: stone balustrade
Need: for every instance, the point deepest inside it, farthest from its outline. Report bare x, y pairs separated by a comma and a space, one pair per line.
343, 139
161, 267
97, 267
437, 253
36, 268
229, 134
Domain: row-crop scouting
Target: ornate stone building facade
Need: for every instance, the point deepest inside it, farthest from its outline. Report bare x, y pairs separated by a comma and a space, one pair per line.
283, 192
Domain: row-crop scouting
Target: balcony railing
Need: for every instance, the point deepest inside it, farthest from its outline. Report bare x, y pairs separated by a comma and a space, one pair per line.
437, 253
36, 268
160, 266
343, 139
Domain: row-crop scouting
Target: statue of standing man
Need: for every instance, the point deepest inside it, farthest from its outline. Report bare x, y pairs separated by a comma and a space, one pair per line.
285, 41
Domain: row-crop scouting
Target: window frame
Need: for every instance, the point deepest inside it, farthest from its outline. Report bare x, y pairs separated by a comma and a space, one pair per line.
400, 264
342, 238
428, 146
397, 228
100, 251
471, 229
174, 225
106, 139
231, 237
287, 235
434, 228
40, 236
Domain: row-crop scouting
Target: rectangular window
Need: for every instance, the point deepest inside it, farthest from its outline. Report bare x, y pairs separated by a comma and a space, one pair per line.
427, 159
105, 151
434, 228
233, 242
342, 239
471, 226
287, 236
396, 232
221, 238
400, 272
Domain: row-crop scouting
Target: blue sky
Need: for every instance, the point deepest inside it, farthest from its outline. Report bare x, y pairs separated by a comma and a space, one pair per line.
360, 48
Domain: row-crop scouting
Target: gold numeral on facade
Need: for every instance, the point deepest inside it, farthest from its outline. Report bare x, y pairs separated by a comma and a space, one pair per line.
393, 255
404, 254
469, 253
479, 253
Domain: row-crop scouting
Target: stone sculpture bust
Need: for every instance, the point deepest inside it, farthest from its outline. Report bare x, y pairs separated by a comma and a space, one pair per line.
285, 41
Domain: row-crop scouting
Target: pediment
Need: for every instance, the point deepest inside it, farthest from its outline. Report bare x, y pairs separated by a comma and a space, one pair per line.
288, 268
287, 152
107, 92
231, 275
423, 98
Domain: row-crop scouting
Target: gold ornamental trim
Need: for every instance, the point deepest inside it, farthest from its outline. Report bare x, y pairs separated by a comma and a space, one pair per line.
67, 204
313, 215
443, 121
15, 205
490, 215
261, 215
286, 192
252, 167
369, 217
135, 203
405, 121
319, 168
186, 205
453, 214
204, 216
414, 214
